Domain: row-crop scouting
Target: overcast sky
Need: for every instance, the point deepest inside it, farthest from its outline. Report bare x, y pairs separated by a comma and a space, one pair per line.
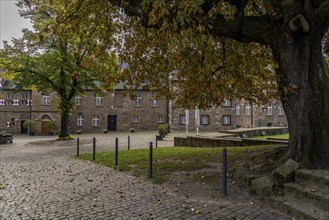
11, 23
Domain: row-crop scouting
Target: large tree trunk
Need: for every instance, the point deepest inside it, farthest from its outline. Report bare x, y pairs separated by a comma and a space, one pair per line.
65, 122
305, 96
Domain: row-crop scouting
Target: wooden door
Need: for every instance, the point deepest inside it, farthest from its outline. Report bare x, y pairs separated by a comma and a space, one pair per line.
45, 128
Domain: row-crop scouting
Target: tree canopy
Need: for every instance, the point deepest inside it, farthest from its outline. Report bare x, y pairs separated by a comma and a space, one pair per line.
69, 50
281, 40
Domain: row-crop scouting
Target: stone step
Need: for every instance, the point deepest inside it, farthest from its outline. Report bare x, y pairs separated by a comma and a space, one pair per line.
319, 176
298, 209
313, 193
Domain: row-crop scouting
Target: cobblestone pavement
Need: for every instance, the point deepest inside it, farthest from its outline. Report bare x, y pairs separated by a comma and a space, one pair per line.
43, 182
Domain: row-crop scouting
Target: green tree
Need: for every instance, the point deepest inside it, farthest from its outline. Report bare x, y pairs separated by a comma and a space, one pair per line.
280, 40
68, 51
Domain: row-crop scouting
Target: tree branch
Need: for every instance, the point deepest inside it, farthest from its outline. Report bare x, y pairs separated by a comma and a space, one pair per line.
255, 29
52, 84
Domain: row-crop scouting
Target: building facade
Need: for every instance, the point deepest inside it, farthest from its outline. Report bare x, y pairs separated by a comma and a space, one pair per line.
230, 115
113, 111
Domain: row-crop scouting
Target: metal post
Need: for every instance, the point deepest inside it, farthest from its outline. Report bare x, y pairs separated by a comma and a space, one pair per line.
116, 151
78, 146
128, 142
94, 148
156, 141
224, 165
150, 160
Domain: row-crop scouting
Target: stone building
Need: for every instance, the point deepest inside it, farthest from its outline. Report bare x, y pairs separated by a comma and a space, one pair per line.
113, 111
230, 115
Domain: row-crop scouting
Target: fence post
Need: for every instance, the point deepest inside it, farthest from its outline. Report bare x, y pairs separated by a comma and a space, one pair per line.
128, 142
94, 148
224, 173
150, 160
78, 146
116, 151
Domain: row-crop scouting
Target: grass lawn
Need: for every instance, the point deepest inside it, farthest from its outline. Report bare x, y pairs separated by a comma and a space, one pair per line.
167, 160
283, 136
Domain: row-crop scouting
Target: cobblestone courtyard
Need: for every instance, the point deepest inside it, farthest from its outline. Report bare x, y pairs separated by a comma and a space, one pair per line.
43, 182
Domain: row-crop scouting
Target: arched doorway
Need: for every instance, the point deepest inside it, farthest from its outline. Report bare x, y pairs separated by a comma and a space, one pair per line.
45, 119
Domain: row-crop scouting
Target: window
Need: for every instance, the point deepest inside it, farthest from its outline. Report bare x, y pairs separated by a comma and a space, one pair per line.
226, 119
205, 119
269, 109
24, 96
154, 102
80, 120
280, 110
136, 119
46, 99
99, 101
9, 96
138, 100
78, 100
45, 118
160, 119
12, 123
182, 119
247, 108
237, 109
226, 103
95, 121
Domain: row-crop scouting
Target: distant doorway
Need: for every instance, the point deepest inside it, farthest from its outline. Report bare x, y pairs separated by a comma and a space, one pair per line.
45, 124
23, 129
112, 123
45, 127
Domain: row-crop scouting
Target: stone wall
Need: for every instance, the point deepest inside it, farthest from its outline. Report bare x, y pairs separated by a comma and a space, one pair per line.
221, 142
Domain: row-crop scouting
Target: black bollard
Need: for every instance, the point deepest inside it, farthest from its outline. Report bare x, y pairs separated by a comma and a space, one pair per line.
224, 165
94, 148
116, 151
150, 160
78, 146
128, 142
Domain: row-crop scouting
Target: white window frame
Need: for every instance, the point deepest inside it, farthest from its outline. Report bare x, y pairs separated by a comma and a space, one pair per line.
280, 110
95, 121
46, 99
78, 100
99, 101
226, 103
138, 100
269, 109
136, 119
154, 102
237, 109
226, 119
182, 119
160, 119
80, 120
205, 119
247, 108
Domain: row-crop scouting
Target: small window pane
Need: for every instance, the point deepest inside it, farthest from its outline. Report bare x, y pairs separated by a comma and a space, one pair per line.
226, 119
